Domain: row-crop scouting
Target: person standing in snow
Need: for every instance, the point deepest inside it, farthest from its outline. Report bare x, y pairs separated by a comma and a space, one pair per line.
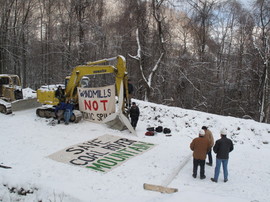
208, 135
222, 148
200, 146
134, 114
130, 93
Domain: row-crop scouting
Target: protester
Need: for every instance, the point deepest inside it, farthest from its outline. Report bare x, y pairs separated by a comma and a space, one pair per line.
64, 109
134, 114
60, 94
68, 111
208, 135
200, 146
130, 93
130, 88
59, 111
222, 148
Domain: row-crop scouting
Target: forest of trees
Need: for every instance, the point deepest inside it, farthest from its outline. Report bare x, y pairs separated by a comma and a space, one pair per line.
206, 55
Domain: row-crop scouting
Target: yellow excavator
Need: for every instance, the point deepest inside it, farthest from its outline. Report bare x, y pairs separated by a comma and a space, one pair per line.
77, 78
11, 95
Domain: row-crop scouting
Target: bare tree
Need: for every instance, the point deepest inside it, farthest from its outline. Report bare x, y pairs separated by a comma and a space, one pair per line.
159, 20
262, 45
201, 23
6, 15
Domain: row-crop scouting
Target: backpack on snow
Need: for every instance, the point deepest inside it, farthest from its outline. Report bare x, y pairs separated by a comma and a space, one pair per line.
150, 129
166, 130
150, 133
159, 129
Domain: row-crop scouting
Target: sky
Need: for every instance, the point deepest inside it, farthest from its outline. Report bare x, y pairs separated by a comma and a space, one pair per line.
27, 142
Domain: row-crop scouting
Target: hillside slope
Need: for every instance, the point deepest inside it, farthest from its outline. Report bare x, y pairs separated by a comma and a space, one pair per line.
27, 141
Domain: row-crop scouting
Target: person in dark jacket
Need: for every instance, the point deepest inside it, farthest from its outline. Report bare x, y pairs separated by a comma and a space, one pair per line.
130, 90
222, 148
60, 94
200, 146
134, 114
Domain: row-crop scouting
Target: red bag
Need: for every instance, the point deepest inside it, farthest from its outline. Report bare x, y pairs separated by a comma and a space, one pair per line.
150, 133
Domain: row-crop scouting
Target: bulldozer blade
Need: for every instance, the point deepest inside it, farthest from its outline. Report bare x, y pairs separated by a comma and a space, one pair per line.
23, 104
159, 188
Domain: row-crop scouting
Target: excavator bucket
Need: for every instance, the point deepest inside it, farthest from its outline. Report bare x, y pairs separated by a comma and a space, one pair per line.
23, 104
118, 120
115, 122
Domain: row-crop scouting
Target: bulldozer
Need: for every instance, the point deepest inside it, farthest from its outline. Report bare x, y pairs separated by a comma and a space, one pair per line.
78, 78
11, 95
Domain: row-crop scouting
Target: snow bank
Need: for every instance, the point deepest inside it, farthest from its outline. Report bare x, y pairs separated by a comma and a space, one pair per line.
27, 141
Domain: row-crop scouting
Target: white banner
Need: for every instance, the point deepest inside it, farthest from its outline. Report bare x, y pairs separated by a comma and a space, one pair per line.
97, 103
103, 153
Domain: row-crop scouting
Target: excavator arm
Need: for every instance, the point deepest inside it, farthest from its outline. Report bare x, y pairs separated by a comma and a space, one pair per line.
94, 68
79, 72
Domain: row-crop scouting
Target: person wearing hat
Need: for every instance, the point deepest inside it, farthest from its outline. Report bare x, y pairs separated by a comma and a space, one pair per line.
134, 114
209, 136
200, 146
222, 148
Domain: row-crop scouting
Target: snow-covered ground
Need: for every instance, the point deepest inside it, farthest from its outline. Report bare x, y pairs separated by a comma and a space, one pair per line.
26, 141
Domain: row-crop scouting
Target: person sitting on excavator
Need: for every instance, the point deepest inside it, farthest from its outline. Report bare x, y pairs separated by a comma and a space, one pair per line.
66, 109
60, 94
59, 111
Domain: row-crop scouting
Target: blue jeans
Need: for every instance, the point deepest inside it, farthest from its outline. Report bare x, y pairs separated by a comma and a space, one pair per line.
67, 115
225, 169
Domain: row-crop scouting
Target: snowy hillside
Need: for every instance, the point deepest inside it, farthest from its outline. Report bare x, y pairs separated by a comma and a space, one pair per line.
26, 141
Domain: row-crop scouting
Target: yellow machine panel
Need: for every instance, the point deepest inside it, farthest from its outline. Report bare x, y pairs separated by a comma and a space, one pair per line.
47, 97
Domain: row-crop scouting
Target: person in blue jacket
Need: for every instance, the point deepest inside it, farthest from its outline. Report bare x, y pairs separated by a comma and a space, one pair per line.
66, 109
59, 111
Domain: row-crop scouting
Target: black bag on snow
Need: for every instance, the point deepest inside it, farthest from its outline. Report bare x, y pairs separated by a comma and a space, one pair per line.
150, 129
166, 130
159, 129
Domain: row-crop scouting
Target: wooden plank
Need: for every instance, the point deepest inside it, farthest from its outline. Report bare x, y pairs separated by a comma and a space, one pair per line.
159, 188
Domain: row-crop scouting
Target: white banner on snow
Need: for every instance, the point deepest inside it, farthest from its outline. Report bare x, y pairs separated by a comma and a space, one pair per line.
103, 153
97, 103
